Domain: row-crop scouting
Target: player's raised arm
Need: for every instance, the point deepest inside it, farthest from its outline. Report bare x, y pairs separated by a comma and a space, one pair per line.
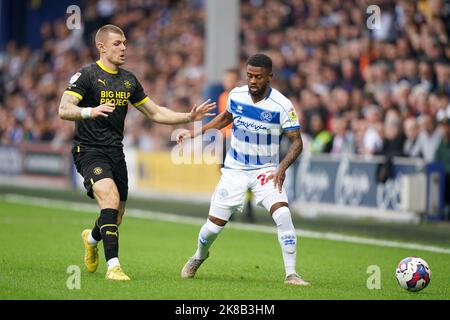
219, 122
164, 115
69, 109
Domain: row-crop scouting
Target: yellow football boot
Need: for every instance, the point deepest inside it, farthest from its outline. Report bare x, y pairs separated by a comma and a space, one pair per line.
90, 252
116, 273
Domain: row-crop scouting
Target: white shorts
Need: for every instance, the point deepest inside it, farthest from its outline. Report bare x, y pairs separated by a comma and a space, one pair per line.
233, 185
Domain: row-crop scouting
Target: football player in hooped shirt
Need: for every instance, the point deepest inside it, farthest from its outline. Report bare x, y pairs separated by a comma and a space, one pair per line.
97, 100
260, 115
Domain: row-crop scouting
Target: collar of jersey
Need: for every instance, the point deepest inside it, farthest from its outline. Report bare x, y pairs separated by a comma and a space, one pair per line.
105, 68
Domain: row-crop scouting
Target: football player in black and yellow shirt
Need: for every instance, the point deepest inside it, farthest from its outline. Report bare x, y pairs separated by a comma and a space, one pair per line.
97, 100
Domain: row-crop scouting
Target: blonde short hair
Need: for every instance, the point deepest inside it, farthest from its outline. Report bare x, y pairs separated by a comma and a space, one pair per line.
101, 33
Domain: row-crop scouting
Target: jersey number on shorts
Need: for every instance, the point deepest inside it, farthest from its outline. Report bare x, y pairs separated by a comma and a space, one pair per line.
265, 177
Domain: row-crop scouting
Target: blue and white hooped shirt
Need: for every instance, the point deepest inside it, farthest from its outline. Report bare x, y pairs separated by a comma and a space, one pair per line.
257, 128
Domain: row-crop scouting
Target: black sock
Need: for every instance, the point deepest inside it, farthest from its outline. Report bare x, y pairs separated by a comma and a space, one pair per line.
109, 232
95, 233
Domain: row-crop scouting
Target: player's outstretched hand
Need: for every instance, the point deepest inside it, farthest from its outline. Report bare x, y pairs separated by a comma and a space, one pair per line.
184, 135
203, 110
102, 110
278, 177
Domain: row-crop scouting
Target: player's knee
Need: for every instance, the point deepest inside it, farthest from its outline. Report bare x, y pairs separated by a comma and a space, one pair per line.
107, 194
217, 221
113, 194
277, 206
111, 199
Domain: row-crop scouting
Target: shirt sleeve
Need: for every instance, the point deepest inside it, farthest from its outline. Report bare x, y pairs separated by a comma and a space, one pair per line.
138, 96
288, 118
228, 106
79, 84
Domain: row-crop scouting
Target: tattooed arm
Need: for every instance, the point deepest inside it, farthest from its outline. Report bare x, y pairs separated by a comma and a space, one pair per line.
69, 109
293, 153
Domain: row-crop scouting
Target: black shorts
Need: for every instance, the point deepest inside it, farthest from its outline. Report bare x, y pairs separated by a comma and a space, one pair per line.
98, 164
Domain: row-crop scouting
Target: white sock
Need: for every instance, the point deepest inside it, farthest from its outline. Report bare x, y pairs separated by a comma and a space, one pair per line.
111, 263
91, 240
208, 233
287, 238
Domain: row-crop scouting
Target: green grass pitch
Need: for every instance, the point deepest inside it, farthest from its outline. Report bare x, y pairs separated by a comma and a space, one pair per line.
39, 244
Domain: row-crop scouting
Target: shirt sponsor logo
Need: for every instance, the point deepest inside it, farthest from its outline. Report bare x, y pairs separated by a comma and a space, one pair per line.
119, 98
248, 125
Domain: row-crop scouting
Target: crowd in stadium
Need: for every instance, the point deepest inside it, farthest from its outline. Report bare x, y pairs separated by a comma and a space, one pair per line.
357, 90
164, 50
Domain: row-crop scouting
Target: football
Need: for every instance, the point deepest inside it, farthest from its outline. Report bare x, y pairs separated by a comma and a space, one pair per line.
413, 274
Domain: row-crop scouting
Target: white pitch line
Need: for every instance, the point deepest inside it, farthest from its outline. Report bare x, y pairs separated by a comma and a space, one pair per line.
169, 217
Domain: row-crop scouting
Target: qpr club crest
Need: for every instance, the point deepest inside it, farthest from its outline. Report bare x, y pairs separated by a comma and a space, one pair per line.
222, 193
266, 116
